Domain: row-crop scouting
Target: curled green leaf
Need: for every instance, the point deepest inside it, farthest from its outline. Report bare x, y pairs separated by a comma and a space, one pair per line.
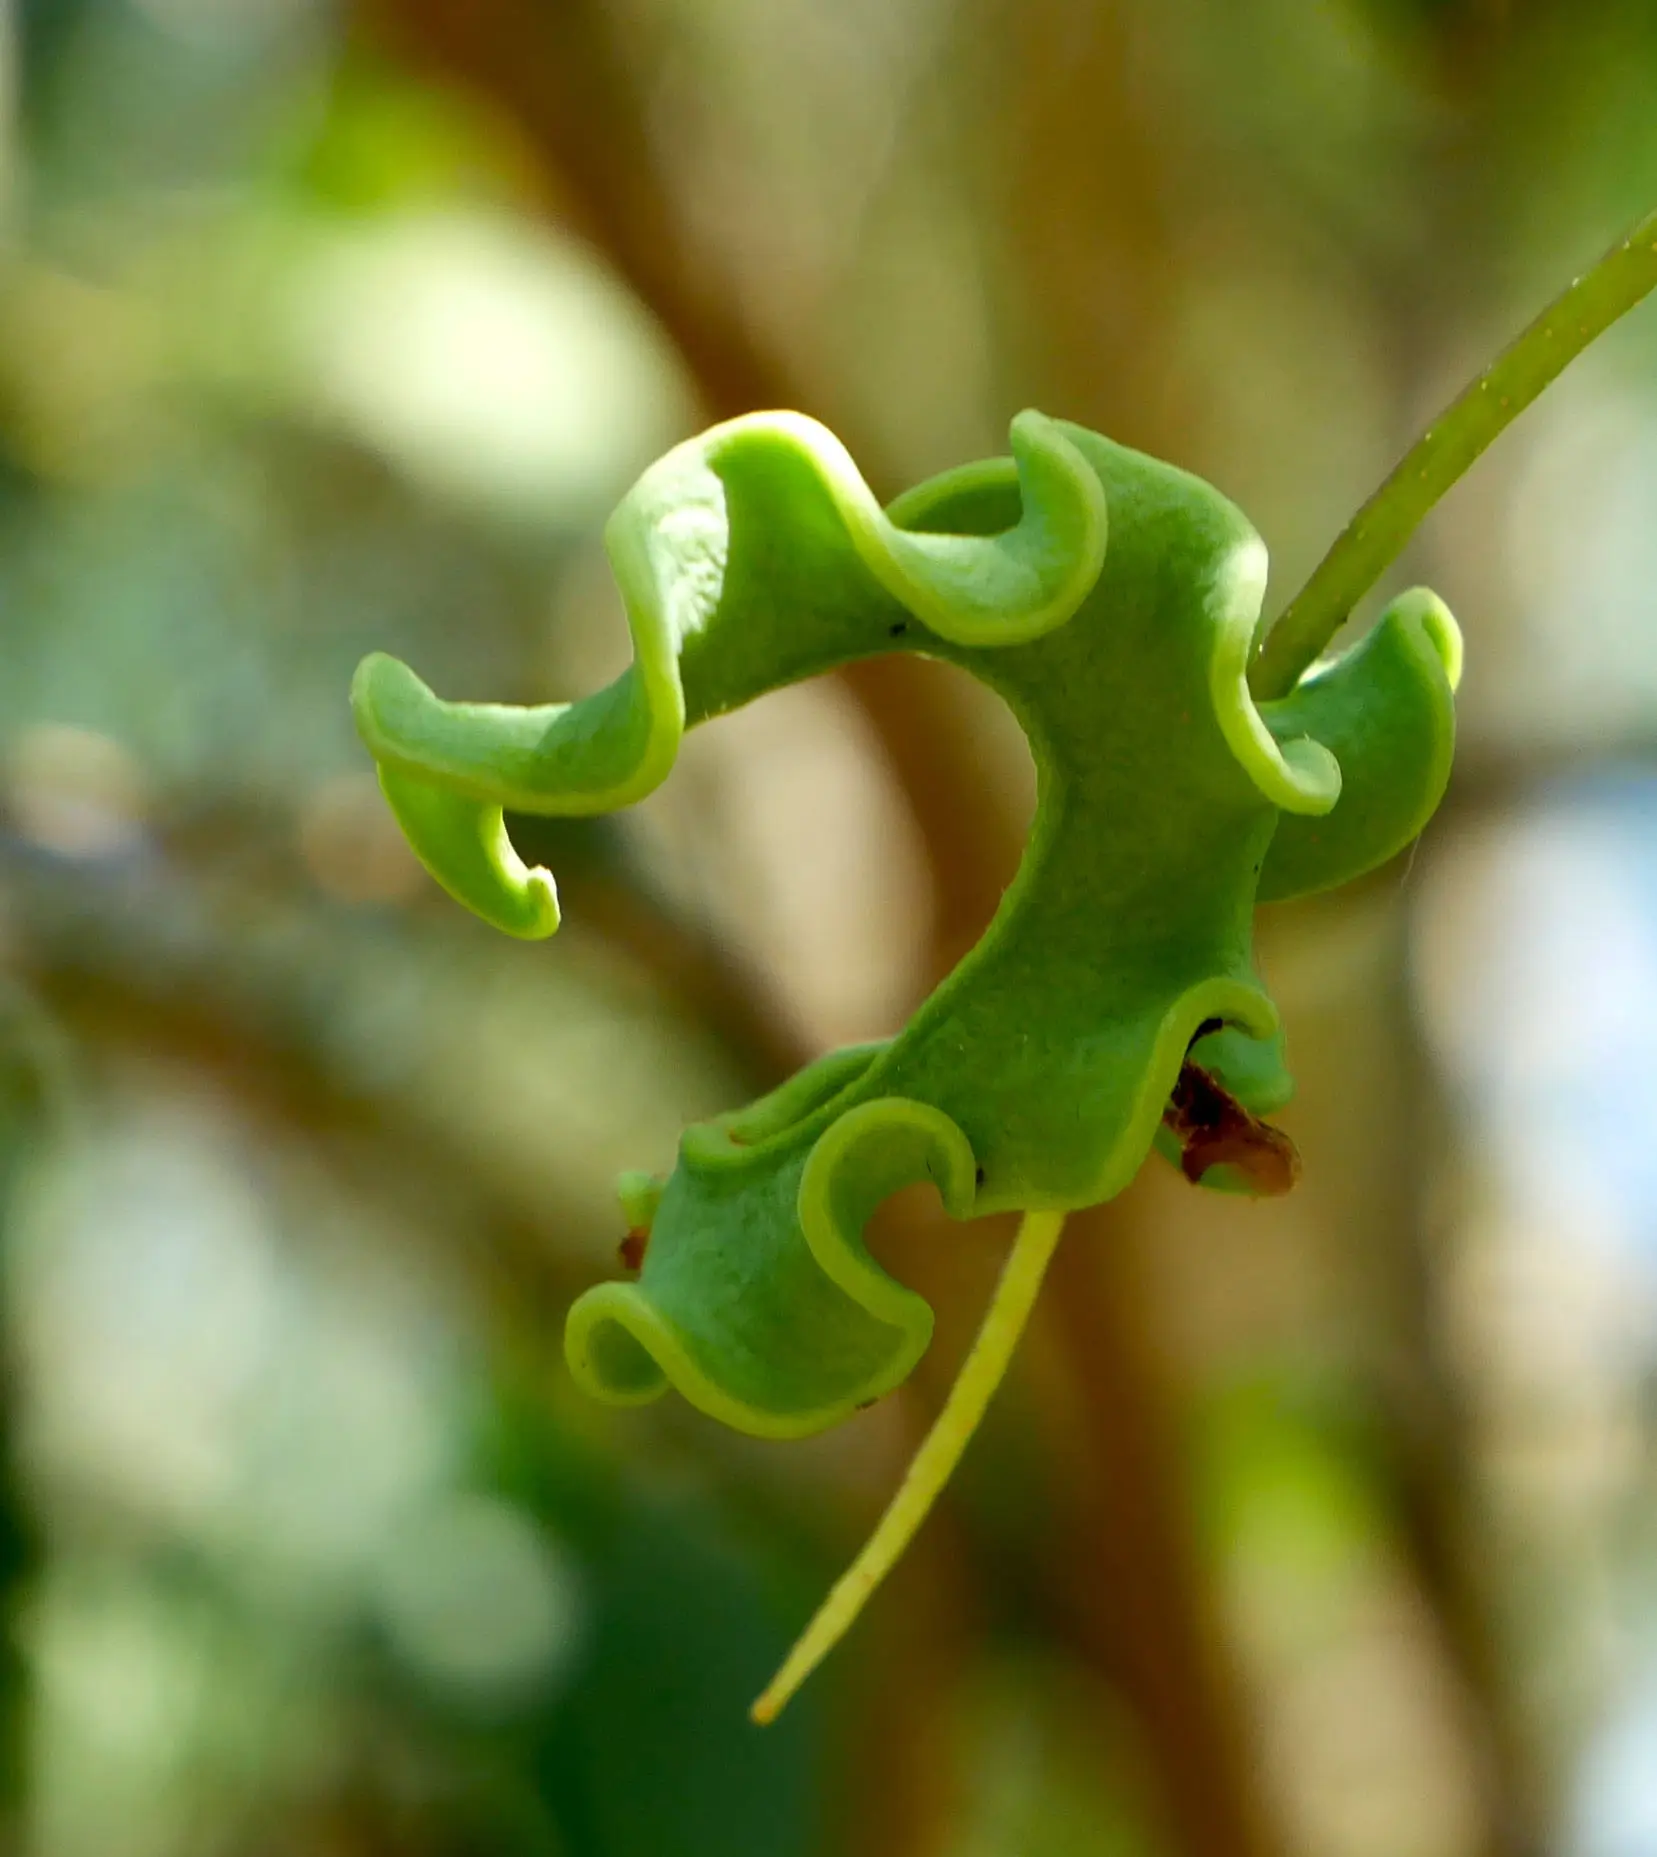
1040, 1073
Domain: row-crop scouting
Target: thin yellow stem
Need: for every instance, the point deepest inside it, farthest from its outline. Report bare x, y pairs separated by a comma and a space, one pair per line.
934, 1464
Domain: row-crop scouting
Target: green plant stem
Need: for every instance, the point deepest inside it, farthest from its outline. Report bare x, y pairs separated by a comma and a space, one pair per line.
934, 1463
1371, 541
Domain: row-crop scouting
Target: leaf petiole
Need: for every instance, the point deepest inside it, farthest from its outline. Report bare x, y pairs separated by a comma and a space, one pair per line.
1372, 540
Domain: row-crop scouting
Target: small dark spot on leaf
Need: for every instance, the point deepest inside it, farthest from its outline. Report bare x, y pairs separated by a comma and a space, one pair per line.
897, 630
979, 1176
632, 1248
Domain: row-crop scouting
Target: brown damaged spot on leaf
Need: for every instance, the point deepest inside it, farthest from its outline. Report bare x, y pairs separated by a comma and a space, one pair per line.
632, 1248
1213, 1129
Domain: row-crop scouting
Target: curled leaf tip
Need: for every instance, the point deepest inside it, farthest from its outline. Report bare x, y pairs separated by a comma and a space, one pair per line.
1386, 709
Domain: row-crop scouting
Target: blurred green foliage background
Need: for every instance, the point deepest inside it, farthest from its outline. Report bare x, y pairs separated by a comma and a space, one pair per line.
1321, 1527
